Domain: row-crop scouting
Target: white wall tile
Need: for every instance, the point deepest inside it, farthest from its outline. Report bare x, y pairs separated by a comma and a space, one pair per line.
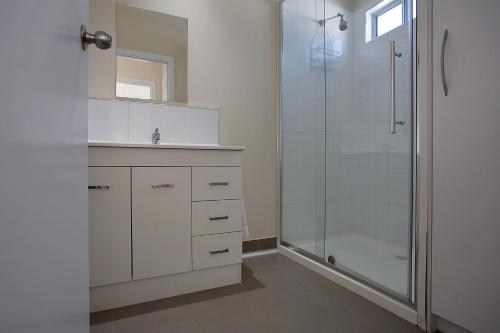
109, 120
174, 124
142, 121
136, 122
204, 126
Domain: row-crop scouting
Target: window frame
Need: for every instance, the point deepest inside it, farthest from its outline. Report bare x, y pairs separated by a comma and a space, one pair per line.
376, 14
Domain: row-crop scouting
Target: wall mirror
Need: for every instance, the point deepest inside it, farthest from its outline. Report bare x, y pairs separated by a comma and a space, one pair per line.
151, 55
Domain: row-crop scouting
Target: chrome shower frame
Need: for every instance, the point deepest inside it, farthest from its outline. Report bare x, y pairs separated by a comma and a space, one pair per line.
418, 270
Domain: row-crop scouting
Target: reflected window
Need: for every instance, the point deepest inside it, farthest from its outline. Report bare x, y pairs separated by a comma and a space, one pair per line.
134, 88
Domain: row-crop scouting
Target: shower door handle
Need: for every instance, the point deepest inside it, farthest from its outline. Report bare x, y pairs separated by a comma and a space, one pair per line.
443, 72
392, 86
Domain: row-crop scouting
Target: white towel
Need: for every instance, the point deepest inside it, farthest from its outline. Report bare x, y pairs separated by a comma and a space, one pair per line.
245, 232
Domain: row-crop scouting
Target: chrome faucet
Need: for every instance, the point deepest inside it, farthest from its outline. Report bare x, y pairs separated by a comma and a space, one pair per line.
156, 136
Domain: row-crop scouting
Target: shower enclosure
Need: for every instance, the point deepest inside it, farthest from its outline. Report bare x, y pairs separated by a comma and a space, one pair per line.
346, 138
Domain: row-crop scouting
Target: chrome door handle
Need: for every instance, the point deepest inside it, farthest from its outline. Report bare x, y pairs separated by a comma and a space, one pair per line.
392, 85
162, 186
218, 183
101, 39
99, 187
217, 218
226, 250
443, 72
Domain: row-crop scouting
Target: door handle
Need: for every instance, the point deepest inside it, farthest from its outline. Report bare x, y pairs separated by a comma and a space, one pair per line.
162, 186
443, 72
218, 183
99, 187
226, 250
218, 218
101, 39
392, 86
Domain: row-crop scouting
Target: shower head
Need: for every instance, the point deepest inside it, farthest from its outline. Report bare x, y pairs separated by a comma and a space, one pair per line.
342, 23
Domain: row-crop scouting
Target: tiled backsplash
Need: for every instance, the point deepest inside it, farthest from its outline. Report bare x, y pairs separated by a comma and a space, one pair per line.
135, 122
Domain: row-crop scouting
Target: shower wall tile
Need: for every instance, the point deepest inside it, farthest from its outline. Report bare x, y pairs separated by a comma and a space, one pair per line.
289, 78
310, 113
399, 186
367, 168
310, 80
339, 84
289, 113
289, 16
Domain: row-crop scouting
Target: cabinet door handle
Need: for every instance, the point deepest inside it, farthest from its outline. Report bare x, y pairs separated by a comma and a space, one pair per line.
217, 218
99, 187
218, 183
443, 72
162, 186
226, 250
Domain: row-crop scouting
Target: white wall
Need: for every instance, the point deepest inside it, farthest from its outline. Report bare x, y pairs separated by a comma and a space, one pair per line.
231, 67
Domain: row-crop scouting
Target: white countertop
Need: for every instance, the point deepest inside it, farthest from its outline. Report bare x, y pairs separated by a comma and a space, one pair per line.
161, 145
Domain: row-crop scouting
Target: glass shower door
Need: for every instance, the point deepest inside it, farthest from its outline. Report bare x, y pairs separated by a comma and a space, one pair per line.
368, 151
347, 159
303, 126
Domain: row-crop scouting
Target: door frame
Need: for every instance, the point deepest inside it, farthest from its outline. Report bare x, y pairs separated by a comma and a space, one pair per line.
424, 161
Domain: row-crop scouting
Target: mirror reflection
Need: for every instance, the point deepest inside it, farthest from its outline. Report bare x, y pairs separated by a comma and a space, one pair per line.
151, 58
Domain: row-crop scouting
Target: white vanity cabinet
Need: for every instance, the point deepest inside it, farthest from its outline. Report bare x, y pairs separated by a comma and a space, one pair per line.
109, 225
164, 221
161, 221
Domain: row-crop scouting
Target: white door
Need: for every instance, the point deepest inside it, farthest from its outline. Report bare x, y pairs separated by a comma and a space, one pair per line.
161, 221
466, 189
43, 167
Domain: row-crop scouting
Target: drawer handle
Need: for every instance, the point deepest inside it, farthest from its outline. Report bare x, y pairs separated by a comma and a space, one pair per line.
226, 250
162, 186
217, 218
99, 187
218, 183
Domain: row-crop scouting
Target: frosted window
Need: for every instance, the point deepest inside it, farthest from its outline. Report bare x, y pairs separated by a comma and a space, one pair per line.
133, 90
389, 20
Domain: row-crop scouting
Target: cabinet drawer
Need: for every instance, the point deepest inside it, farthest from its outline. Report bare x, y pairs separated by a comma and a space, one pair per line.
110, 260
215, 183
161, 221
216, 250
213, 217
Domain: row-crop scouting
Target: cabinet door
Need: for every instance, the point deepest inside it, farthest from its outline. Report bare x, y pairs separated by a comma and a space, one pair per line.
466, 157
109, 225
161, 221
